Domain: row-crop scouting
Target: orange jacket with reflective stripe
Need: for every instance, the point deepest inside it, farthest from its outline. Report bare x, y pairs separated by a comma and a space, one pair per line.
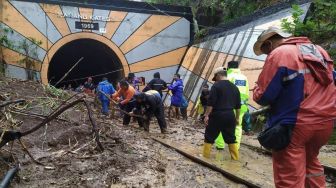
287, 85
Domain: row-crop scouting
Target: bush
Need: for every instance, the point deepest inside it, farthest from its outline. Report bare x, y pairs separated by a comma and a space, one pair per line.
319, 26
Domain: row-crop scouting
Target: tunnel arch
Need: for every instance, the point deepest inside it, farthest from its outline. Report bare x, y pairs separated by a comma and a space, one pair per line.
113, 58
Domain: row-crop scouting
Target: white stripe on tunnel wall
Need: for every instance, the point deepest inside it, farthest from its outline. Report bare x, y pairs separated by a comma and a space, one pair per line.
240, 42
34, 13
166, 73
130, 24
196, 90
104, 14
185, 76
173, 37
19, 73
17, 39
73, 11
249, 53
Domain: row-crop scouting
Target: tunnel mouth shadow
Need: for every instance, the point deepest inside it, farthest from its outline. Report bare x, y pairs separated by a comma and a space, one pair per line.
99, 61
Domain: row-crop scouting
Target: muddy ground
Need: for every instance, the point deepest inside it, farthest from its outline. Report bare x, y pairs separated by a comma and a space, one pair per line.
131, 157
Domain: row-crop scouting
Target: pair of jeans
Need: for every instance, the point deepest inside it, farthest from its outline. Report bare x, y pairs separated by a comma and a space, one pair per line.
105, 106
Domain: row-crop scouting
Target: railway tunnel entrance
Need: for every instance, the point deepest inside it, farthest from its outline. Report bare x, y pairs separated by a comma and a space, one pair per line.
99, 61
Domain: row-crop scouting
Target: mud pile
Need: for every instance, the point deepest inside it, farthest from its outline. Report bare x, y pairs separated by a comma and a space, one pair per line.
69, 154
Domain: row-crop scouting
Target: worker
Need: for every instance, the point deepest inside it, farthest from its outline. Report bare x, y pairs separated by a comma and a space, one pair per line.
151, 104
80, 88
104, 90
202, 103
89, 86
124, 97
184, 108
177, 93
296, 81
70, 88
204, 100
156, 84
220, 117
240, 80
133, 81
246, 123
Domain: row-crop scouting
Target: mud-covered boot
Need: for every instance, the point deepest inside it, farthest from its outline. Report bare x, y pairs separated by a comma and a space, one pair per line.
207, 150
146, 127
234, 151
164, 131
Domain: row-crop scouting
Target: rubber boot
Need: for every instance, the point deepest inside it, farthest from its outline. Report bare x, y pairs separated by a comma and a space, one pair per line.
164, 131
146, 126
234, 151
207, 150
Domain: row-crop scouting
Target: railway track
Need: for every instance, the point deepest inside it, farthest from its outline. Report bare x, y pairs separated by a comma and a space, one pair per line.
329, 170
233, 171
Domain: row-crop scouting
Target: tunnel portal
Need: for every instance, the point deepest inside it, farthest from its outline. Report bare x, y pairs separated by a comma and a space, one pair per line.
98, 61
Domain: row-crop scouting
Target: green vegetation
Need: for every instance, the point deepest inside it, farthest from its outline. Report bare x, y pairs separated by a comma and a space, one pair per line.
319, 26
230, 9
29, 48
332, 140
4, 41
211, 13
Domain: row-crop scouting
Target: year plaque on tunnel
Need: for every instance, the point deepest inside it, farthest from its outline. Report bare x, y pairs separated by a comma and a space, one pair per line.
87, 25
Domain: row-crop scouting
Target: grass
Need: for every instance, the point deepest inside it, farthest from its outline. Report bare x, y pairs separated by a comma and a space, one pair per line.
332, 140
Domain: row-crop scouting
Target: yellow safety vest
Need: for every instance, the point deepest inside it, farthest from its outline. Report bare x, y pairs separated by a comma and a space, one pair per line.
237, 78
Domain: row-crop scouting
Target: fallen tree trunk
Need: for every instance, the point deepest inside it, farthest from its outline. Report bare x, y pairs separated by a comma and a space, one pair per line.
53, 115
58, 111
6, 103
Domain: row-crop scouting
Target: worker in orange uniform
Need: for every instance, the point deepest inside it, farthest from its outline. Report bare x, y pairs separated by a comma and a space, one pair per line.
124, 96
297, 83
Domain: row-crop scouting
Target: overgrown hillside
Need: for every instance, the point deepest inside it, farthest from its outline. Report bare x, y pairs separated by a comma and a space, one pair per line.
319, 26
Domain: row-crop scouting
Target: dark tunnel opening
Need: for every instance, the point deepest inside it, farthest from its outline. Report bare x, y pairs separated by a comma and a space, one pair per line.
99, 61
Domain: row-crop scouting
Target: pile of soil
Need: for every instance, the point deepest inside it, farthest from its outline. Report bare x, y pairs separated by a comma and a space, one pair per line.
131, 158
71, 158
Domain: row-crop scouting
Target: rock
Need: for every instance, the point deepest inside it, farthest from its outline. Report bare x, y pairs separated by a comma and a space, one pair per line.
49, 168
